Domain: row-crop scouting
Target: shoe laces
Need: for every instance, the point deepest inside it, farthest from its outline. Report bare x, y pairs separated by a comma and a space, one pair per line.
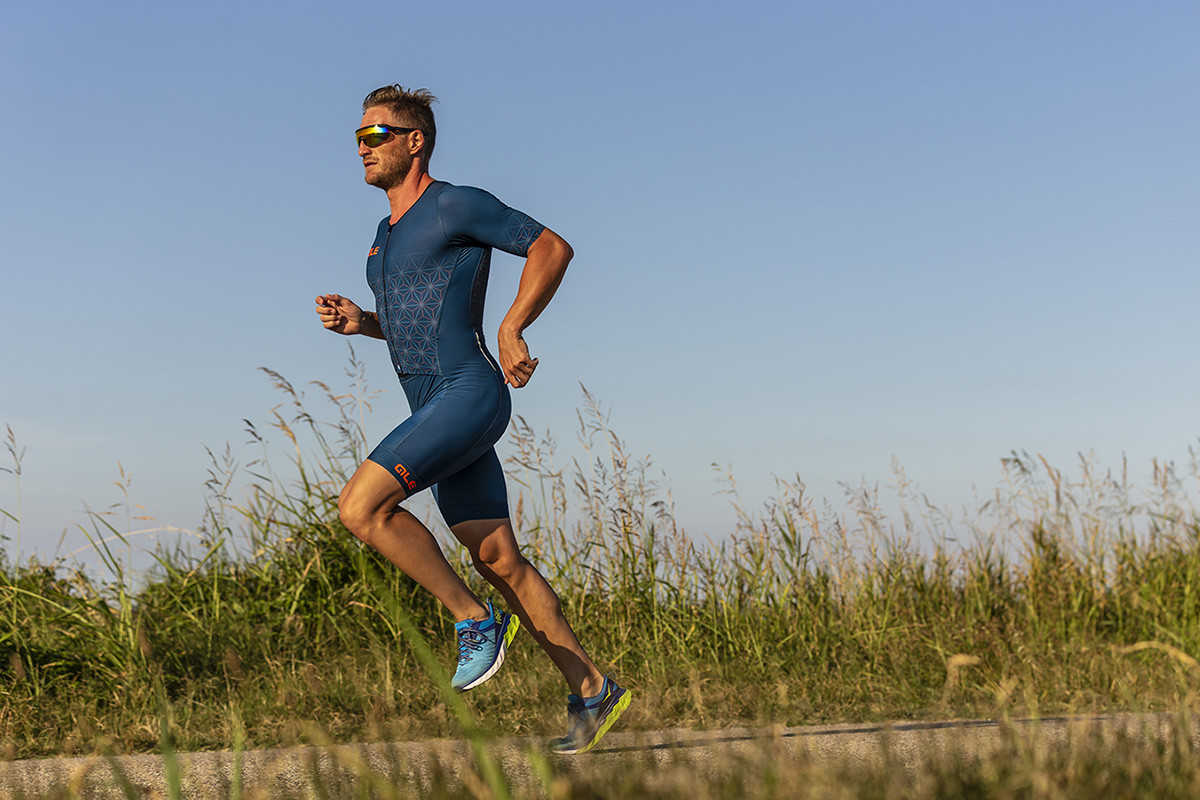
470, 641
577, 721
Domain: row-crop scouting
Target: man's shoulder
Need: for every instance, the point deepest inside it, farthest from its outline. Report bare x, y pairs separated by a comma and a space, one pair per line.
454, 192
455, 200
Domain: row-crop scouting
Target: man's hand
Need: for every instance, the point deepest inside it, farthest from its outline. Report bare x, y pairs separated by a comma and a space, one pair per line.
518, 367
545, 264
342, 315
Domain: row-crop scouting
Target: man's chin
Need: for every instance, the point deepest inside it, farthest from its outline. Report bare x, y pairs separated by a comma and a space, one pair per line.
382, 180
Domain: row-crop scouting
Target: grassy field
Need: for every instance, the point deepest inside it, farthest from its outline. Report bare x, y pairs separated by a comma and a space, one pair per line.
1065, 593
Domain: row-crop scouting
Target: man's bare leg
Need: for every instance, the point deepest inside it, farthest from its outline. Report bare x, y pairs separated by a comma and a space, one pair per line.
369, 507
493, 548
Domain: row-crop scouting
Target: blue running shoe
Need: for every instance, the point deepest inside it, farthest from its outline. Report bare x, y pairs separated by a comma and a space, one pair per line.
481, 647
590, 719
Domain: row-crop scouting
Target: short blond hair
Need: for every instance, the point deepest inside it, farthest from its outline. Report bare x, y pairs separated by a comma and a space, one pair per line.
412, 107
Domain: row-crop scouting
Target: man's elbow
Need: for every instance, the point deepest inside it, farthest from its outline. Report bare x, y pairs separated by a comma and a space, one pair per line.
557, 248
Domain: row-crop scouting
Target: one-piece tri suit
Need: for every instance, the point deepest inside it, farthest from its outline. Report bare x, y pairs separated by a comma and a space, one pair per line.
429, 274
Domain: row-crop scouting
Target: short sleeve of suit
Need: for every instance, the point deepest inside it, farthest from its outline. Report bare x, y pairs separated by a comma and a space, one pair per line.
471, 215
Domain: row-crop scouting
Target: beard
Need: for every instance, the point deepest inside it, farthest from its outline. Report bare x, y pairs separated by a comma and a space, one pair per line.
390, 173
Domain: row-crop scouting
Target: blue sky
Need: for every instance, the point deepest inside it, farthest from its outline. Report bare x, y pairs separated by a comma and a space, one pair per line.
811, 238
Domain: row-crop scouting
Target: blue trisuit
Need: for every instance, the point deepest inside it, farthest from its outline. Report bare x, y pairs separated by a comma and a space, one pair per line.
429, 274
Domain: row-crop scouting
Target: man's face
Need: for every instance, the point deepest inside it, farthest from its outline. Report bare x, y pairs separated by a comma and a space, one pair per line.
387, 164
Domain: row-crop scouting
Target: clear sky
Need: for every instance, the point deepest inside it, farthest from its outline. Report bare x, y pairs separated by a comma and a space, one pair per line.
810, 237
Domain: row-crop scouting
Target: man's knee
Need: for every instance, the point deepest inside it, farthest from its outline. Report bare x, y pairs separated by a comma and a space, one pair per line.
358, 517
349, 517
503, 562
369, 501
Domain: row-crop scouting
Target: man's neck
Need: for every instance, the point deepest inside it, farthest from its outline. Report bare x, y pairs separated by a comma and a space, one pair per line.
403, 195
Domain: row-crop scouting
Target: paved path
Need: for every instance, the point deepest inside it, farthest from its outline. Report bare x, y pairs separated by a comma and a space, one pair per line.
341, 769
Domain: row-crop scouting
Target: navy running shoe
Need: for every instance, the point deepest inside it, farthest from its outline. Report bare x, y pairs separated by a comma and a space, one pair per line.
590, 719
481, 647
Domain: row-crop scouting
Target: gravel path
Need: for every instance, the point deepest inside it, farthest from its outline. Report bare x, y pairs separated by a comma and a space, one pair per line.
291, 772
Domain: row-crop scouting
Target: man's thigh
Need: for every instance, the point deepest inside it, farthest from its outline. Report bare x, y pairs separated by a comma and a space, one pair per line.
371, 490
475, 492
446, 435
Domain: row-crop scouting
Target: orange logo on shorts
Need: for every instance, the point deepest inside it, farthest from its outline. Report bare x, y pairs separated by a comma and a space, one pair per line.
408, 481
374, 252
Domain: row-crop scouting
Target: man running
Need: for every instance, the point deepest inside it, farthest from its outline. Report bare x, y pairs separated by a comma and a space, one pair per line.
428, 268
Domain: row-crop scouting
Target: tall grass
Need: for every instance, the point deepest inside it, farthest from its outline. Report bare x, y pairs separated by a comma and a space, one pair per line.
17, 455
1063, 593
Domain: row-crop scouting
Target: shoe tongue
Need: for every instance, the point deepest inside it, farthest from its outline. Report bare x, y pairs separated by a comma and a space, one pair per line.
593, 701
479, 625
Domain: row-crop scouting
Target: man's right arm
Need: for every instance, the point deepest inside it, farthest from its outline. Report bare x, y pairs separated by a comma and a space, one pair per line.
342, 315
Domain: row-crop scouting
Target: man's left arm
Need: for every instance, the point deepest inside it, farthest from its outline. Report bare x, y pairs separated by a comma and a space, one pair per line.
545, 264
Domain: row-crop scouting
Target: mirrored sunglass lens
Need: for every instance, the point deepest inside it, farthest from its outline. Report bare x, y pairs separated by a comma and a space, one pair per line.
373, 136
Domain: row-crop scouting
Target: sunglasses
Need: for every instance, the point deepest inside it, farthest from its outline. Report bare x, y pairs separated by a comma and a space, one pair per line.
375, 135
